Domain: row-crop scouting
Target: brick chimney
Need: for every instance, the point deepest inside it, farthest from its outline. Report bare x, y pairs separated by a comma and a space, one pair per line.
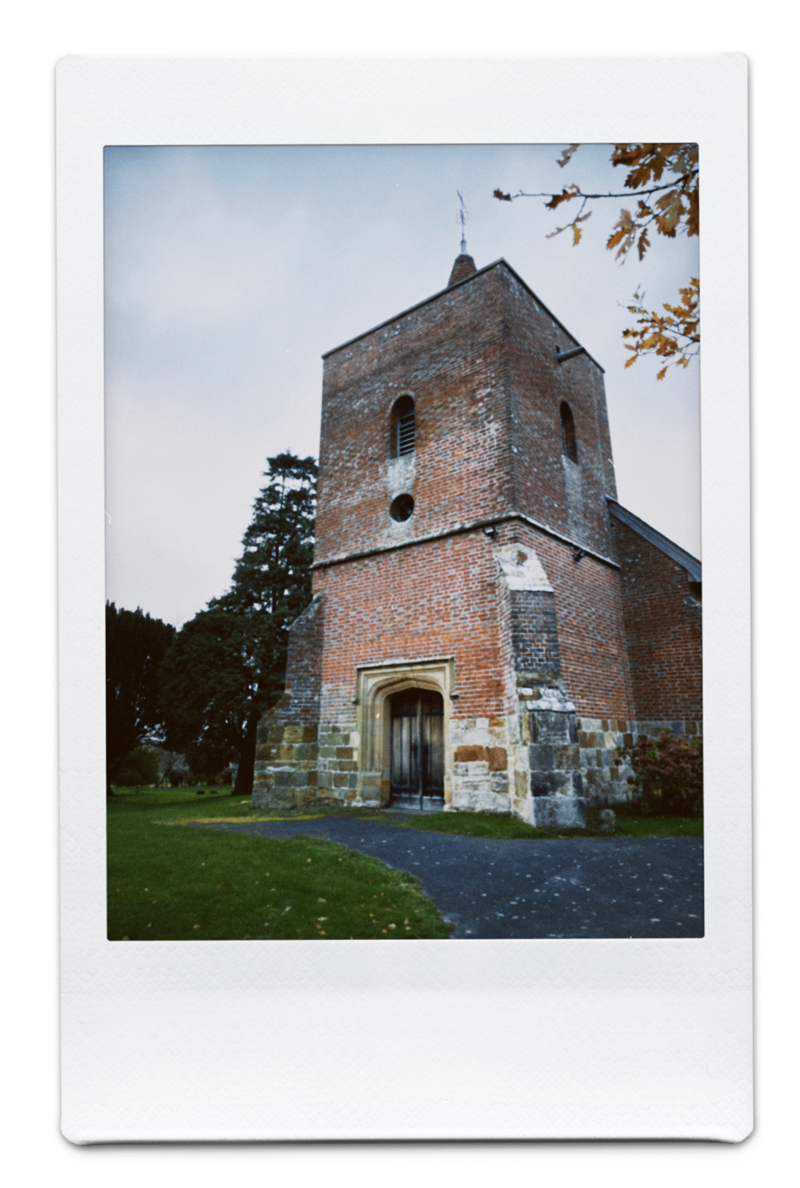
463, 267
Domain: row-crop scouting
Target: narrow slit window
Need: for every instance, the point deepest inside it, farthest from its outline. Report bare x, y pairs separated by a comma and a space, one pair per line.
569, 444
404, 427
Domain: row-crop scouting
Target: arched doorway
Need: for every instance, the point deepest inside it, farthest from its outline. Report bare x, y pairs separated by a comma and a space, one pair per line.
417, 755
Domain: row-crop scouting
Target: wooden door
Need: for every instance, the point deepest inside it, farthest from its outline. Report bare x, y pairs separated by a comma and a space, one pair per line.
418, 749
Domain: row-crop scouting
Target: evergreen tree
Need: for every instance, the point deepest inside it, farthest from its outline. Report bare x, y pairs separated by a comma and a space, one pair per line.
227, 665
135, 648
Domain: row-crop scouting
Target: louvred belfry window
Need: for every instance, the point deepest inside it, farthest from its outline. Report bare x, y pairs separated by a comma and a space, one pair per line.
405, 433
404, 427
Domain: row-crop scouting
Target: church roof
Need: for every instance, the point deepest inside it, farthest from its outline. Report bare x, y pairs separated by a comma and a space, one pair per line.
692, 566
455, 285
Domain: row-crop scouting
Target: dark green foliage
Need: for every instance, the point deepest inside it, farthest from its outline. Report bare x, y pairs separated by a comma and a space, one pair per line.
669, 774
135, 648
139, 767
227, 665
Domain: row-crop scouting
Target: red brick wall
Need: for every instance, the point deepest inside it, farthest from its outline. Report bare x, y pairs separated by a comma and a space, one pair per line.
446, 598
437, 599
450, 356
664, 629
568, 497
479, 361
304, 663
591, 628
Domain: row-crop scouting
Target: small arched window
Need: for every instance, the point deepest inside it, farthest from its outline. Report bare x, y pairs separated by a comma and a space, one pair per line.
569, 444
403, 427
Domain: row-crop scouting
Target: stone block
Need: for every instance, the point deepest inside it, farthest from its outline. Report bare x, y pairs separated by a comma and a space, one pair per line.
270, 798
552, 726
568, 757
469, 754
305, 751
292, 734
498, 758
547, 783
520, 782
335, 739
340, 779
541, 756
344, 752
559, 812
310, 733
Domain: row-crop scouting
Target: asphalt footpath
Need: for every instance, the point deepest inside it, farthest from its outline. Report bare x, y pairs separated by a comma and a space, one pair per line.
538, 888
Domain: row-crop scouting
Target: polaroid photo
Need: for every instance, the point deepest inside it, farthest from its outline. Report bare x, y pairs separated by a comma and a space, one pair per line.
388, 458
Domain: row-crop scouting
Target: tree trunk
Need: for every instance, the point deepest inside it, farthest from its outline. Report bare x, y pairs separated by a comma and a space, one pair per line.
247, 759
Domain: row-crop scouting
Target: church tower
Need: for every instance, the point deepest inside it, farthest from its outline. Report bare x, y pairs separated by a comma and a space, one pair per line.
469, 610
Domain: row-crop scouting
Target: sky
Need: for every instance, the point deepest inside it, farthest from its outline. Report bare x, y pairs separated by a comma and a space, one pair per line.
230, 270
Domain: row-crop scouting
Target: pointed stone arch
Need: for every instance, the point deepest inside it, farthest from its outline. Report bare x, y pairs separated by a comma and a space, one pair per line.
375, 685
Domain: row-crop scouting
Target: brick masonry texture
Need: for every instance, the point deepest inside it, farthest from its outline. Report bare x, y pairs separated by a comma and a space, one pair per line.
663, 622
601, 629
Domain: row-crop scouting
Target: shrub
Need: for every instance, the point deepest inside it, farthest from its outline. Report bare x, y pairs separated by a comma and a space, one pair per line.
669, 774
140, 766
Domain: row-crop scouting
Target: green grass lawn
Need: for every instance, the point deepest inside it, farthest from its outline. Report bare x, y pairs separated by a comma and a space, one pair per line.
501, 826
185, 883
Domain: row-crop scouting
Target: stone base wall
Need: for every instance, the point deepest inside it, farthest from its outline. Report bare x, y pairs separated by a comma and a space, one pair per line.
544, 765
287, 764
600, 741
483, 764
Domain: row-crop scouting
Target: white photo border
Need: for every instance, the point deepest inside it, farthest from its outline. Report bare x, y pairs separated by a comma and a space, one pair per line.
516, 1039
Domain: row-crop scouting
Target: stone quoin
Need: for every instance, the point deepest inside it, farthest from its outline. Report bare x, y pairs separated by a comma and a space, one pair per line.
488, 625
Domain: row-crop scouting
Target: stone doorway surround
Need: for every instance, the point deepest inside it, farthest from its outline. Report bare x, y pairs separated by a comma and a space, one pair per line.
375, 684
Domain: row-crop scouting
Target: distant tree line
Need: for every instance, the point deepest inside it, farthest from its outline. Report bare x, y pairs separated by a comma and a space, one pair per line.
201, 691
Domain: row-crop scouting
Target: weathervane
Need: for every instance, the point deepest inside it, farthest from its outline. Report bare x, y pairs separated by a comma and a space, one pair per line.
463, 215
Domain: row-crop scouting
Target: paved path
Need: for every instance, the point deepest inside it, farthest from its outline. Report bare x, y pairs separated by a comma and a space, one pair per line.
575, 887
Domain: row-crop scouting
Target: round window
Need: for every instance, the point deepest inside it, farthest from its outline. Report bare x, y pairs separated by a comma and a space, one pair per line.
401, 508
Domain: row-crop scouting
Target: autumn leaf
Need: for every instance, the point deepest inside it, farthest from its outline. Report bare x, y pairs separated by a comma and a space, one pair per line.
567, 154
664, 180
566, 195
673, 335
